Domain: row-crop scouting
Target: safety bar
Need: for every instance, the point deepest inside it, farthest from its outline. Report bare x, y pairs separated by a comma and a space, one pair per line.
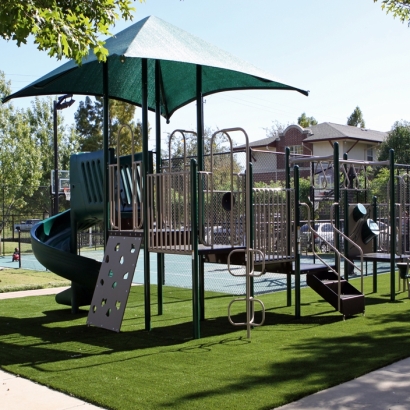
119, 195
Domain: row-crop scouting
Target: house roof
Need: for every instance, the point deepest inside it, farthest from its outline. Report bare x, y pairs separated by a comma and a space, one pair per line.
260, 143
328, 131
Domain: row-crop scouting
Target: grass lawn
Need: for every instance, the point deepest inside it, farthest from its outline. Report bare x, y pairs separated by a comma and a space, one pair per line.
12, 280
285, 359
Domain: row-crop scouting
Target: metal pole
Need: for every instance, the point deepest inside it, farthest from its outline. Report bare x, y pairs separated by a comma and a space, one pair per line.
375, 246
195, 261
19, 231
251, 221
3, 225
288, 228
199, 118
336, 185
346, 265
105, 152
145, 164
393, 228
160, 256
56, 204
297, 233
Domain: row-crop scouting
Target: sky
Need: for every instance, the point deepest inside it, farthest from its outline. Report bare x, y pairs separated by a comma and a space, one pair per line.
346, 53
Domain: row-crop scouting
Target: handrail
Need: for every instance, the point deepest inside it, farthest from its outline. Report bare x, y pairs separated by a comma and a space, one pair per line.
182, 132
341, 255
335, 230
115, 197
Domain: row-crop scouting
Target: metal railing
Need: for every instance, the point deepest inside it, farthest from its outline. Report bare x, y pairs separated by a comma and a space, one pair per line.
169, 216
271, 224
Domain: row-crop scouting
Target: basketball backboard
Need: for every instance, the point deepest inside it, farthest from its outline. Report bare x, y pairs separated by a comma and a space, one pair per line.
63, 181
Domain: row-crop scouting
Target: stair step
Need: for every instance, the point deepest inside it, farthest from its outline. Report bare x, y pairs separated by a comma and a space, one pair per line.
351, 300
330, 281
344, 297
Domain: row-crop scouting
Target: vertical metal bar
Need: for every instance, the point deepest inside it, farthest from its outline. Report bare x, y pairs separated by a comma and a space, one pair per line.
375, 246
160, 256
56, 183
200, 134
336, 187
297, 233
195, 265
289, 227
393, 228
202, 287
251, 238
200, 118
105, 150
337, 200
145, 164
346, 224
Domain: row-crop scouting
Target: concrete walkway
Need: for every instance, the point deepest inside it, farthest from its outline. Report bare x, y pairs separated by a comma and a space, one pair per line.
384, 389
17, 393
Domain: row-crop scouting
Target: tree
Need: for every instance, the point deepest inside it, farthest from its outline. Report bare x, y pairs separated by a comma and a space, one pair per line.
399, 140
89, 121
275, 129
20, 160
399, 8
356, 118
41, 120
27, 154
65, 28
221, 159
305, 121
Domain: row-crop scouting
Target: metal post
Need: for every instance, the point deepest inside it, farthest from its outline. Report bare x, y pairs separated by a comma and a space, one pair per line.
199, 118
160, 256
145, 164
375, 246
297, 233
346, 224
251, 215
336, 186
55, 207
106, 211
195, 260
19, 231
393, 228
60, 104
3, 225
288, 228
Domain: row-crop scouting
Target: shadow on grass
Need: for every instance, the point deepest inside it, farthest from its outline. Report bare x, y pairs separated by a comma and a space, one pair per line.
316, 364
288, 358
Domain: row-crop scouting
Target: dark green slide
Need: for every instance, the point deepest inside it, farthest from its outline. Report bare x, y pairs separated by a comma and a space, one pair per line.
51, 246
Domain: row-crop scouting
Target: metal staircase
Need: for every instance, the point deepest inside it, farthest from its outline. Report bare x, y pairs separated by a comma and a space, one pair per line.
329, 285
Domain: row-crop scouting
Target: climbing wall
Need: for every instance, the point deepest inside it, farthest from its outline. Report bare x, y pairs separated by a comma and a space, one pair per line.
114, 282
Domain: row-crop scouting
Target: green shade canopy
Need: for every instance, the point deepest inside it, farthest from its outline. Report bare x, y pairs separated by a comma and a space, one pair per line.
178, 53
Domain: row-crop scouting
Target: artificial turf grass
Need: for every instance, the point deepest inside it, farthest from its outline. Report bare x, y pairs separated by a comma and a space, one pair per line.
286, 359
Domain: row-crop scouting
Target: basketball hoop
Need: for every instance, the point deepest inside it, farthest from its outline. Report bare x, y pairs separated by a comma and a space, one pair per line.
67, 194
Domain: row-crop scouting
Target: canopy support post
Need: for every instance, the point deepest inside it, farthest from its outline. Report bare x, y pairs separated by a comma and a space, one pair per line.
105, 149
160, 256
145, 163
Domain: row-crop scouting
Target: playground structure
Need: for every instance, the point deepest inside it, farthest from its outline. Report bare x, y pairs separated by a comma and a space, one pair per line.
184, 209
182, 69
221, 215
